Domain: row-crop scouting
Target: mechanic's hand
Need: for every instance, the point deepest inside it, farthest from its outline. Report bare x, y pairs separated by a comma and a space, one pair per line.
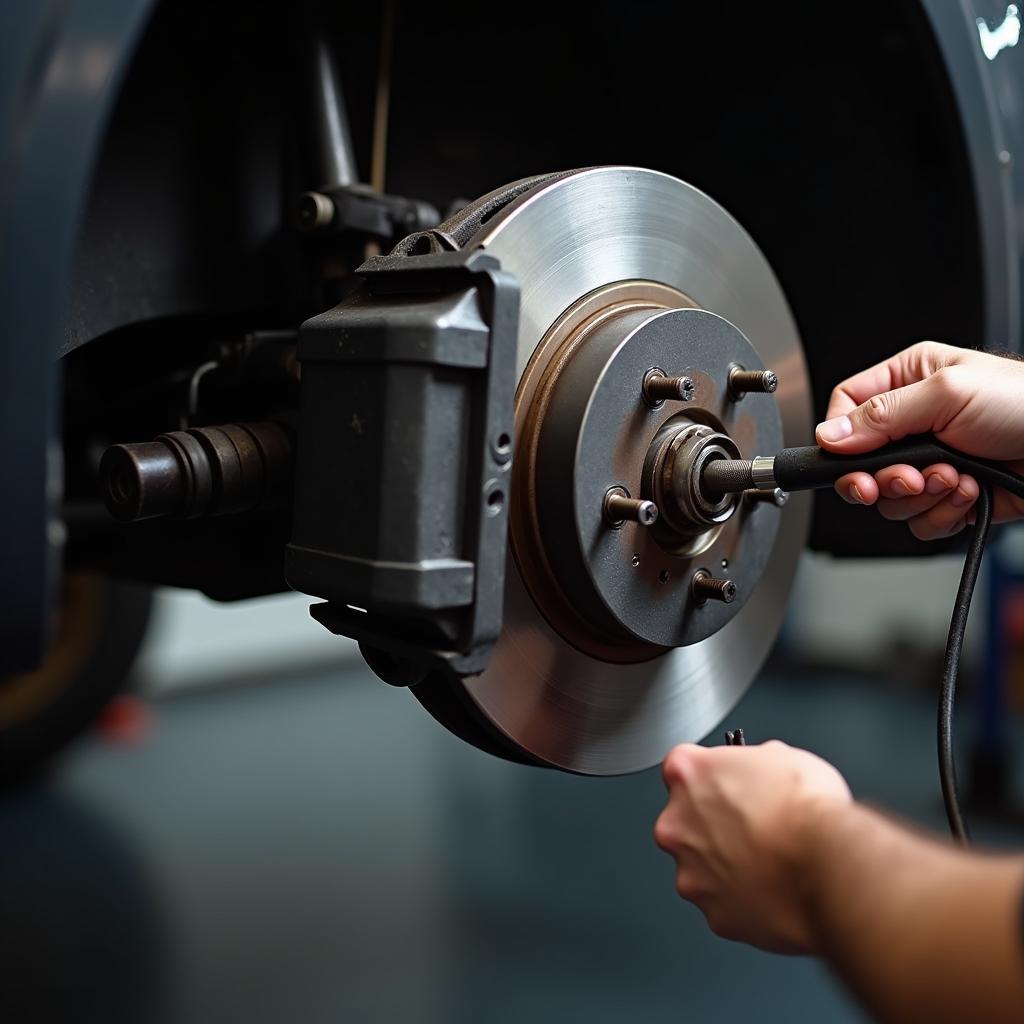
973, 401
738, 823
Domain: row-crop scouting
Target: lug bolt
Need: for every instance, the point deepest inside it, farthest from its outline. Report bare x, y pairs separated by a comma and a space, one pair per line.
705, 587
742, 382
619, 506
659, 386
778, 497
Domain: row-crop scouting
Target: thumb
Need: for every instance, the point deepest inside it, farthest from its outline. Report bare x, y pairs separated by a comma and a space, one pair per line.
915, 409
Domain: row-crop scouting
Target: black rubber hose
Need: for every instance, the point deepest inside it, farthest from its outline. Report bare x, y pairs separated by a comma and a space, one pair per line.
951, 663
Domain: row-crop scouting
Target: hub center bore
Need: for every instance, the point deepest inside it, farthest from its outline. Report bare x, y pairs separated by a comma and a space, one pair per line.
672, 473
619, 586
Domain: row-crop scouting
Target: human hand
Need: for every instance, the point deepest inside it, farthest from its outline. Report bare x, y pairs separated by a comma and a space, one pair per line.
739, 823
973, 401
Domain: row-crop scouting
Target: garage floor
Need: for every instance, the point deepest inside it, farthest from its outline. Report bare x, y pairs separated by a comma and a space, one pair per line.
317, 849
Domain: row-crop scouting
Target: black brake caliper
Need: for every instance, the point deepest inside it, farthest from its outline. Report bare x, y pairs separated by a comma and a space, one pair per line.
404, 460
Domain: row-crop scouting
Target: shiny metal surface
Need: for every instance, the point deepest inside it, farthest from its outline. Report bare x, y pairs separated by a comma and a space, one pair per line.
334, 157
762, 471
562, 242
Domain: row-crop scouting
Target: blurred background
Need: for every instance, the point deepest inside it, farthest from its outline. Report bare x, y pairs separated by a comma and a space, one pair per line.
266, 832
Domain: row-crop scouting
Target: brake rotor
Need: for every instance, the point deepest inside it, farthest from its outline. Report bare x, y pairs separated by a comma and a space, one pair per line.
608, 656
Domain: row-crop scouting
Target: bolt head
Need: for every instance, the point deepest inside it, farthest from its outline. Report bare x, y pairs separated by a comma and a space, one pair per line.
647, 513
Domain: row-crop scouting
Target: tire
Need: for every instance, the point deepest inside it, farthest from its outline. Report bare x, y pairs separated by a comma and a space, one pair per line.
100, 627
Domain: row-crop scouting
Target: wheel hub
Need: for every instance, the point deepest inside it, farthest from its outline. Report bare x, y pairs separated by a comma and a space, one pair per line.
620, 589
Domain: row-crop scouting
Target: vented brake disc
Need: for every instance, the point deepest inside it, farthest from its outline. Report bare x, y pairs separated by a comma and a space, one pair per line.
610, 653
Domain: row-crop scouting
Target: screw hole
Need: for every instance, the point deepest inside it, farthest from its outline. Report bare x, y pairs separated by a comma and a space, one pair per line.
501, 448
495, 502
663, 576
635, 560
725, 563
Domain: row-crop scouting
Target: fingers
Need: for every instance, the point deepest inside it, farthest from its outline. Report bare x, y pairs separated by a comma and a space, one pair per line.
922, 407
898, 482
906, 367
859, 388
680, 763
857, 488
949, 515
935, 502
939, 482
893, 483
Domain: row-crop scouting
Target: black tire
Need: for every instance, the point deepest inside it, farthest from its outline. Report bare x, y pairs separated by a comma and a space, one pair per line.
100, 628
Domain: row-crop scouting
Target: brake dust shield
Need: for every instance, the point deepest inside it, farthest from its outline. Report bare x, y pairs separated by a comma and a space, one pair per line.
608, 657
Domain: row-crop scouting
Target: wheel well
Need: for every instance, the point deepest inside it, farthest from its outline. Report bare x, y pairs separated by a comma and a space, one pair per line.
841, 152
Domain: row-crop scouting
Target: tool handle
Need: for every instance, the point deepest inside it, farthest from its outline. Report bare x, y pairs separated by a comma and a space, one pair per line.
804, 469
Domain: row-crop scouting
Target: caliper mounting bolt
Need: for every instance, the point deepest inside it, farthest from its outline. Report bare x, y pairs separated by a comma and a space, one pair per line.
659, 386
742, 382
705, 587
619, 506
777, 497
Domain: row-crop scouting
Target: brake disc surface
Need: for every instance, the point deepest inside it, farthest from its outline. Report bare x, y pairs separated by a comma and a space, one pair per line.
641, 244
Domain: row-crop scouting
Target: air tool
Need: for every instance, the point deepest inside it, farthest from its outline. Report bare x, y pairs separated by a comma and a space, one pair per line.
810, 467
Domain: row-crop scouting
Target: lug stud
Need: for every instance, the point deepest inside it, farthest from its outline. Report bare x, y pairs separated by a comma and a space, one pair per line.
743, 382
620, 507
705, 587
777, 497
659, 387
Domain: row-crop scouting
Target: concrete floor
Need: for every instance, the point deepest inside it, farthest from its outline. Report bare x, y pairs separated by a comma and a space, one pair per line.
318, 849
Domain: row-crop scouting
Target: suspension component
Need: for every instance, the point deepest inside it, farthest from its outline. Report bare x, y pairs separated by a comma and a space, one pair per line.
205, 471
360, 209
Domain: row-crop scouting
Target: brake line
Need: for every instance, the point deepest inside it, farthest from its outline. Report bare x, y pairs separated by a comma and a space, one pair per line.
808, 468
